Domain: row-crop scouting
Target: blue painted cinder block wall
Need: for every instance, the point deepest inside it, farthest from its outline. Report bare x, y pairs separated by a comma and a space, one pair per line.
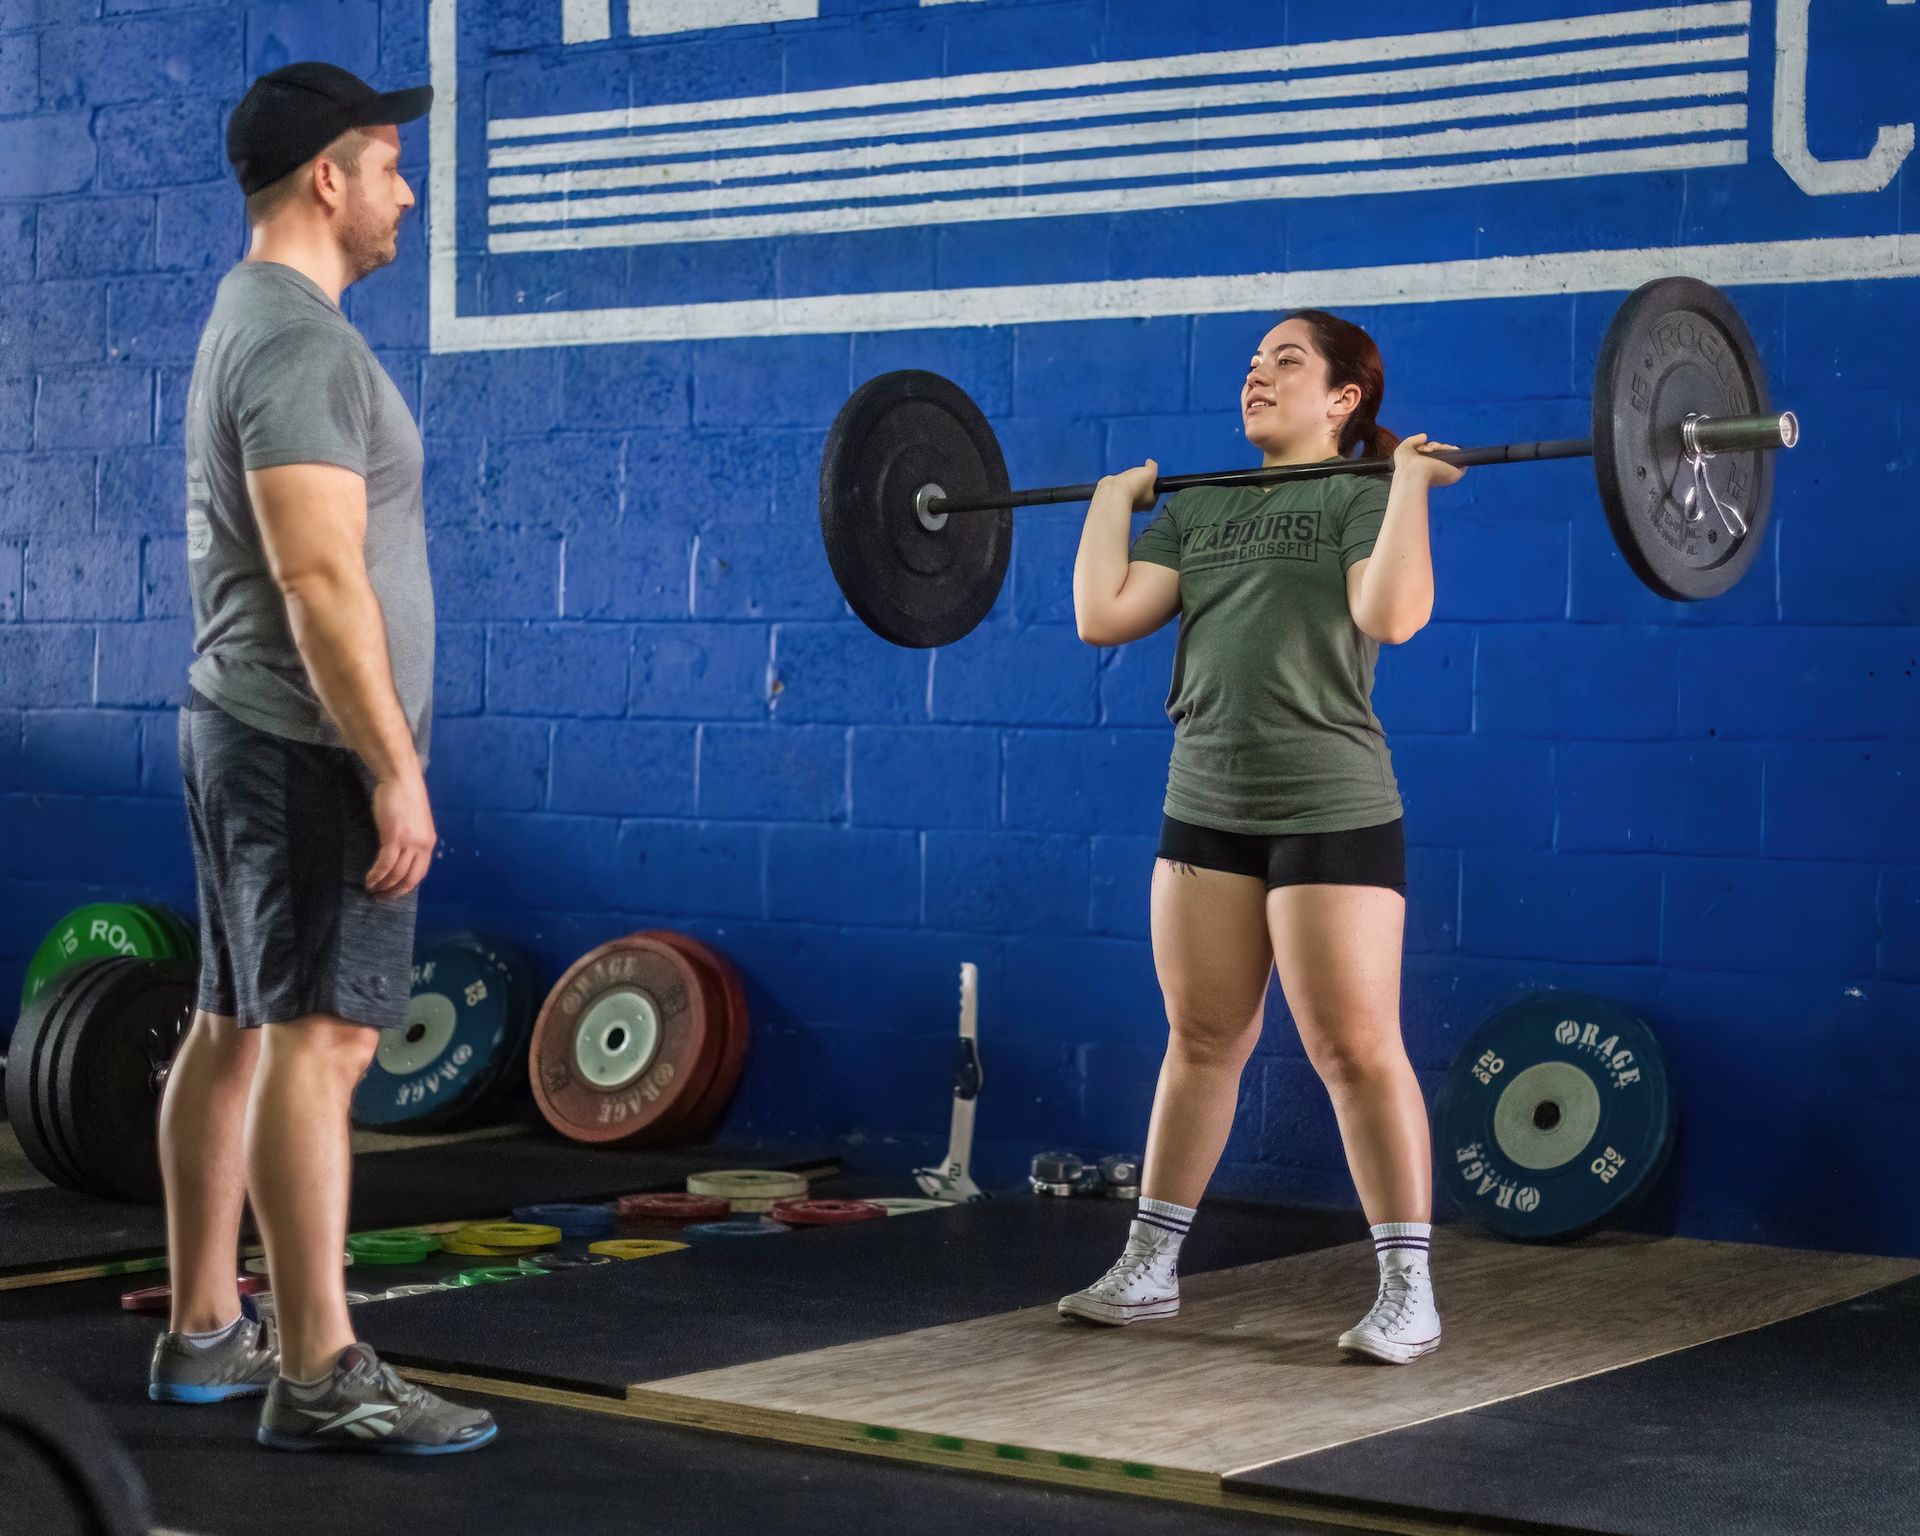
655, 709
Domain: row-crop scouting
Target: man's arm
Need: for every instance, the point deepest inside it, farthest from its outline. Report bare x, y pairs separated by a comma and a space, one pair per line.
313, 528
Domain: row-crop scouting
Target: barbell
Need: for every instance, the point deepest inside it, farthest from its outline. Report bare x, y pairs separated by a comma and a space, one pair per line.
916, 512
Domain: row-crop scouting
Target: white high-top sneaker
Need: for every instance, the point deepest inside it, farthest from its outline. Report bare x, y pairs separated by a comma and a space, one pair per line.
1139, 1286
1403, 1325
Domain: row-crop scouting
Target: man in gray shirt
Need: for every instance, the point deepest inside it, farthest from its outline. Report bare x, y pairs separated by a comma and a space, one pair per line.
301, 749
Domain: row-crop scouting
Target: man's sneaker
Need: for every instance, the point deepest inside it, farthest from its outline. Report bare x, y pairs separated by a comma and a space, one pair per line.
365, 1406
239, 1365
1402, 1326
1139, 1286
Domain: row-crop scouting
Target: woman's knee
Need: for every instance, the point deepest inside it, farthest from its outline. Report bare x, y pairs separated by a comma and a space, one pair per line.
1211, 1041
1356, 1056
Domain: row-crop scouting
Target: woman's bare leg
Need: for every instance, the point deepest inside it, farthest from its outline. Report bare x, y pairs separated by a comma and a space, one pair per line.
1213, 957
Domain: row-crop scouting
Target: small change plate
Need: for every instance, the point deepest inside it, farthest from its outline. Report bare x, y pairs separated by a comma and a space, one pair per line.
1556, 1117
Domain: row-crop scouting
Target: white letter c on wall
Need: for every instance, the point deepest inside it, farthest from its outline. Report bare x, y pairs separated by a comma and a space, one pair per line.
1871, 172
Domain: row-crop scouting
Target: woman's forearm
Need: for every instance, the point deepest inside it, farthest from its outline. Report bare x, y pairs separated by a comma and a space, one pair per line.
1100, 566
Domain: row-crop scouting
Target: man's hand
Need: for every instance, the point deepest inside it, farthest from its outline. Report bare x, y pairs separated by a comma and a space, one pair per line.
405, 822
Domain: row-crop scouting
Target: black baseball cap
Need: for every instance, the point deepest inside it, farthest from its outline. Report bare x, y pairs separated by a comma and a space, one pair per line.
289, 116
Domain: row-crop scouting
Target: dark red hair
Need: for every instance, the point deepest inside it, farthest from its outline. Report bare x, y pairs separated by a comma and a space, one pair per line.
1352, 358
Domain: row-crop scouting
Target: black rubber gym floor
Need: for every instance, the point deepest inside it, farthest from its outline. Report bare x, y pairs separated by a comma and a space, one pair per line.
552, 1469
1803, 1425
732, 1300
1806, 1425
448, 1181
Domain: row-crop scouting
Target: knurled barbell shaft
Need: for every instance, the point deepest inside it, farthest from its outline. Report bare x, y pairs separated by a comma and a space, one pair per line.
1711, 434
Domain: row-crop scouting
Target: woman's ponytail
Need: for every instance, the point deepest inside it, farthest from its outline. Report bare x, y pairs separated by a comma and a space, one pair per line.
1352, 358
1376, 442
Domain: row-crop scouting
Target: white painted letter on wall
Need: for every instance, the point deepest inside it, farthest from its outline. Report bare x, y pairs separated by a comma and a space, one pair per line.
1891, 145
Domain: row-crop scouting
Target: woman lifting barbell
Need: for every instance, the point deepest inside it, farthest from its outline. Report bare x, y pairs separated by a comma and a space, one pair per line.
1282, 845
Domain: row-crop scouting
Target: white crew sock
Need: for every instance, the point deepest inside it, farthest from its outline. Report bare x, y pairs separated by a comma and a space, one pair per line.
1159, 1227
1404, 1248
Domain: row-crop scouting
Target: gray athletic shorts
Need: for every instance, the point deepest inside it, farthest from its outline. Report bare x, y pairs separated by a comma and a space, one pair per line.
283, 837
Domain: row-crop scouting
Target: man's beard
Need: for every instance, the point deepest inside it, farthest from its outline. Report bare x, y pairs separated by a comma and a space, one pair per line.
369, 243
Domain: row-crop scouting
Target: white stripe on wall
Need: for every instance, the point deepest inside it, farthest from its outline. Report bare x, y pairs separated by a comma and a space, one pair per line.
1180, 130
848, 192
586, 21
1295, 56
1024, 159
649, 18
1838, 259
443, 170
1132, 199
1243, 94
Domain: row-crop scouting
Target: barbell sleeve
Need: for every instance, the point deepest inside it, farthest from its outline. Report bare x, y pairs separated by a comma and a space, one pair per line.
1740, 434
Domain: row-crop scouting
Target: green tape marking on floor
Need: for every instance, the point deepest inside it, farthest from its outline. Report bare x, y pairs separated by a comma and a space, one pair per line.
1011, 1452
133, 1266
879, 1432
1138, 1469
948, 1443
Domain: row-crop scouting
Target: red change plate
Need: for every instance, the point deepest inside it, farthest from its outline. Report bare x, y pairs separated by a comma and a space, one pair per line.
730, 1026
825, 1213
158, 1299
624, 1045
671, 1206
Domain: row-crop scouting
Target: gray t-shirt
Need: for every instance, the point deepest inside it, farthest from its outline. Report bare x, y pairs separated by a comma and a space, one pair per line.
282, 377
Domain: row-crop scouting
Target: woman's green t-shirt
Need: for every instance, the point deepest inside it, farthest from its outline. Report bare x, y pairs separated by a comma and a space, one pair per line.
1271, 699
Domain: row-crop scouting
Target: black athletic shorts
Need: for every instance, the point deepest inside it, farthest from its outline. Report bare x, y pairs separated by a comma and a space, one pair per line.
1364, 856
283, 837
